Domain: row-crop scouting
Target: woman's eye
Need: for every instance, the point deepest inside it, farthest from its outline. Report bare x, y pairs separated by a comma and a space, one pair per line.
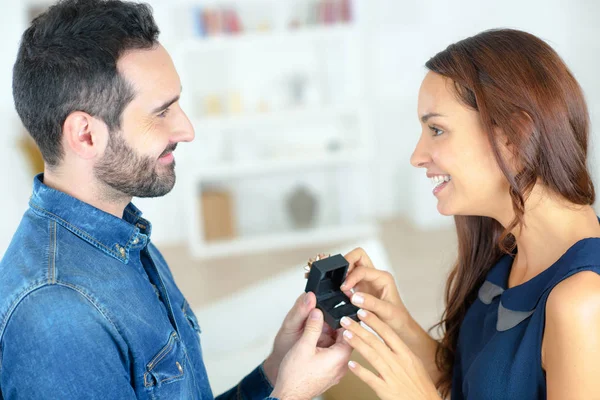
436, 131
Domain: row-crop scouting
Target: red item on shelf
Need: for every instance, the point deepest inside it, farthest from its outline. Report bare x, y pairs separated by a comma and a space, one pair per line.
346, 10
226, 18
236, 22
329, 12
231, 21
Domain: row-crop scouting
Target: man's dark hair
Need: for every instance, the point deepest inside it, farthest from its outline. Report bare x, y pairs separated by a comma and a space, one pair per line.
67, 61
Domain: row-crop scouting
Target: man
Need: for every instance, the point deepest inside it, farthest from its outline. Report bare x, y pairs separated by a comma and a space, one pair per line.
88, 306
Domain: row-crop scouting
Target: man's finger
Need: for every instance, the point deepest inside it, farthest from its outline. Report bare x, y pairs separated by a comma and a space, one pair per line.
325, 341
294, 320
312, 329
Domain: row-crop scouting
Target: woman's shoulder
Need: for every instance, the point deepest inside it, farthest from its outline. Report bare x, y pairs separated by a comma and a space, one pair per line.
578, 293
572, 312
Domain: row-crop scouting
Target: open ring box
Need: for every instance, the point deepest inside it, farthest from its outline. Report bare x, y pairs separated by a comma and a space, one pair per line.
324, 280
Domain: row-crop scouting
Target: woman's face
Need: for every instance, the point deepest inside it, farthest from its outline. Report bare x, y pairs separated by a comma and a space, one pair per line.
456, 153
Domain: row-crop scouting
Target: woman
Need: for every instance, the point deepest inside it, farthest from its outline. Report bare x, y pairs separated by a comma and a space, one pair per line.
504, 139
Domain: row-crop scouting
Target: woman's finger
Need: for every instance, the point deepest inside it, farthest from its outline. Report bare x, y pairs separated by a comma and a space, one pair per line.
384, 309
377, 278
386, 333
368, 345
358, 255
365, 375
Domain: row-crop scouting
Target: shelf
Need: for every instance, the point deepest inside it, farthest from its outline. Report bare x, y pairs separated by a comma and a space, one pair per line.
269, 38
273, 167
277, 241
287, 117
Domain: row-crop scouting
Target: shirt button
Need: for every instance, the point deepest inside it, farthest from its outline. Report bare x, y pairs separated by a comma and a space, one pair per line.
121, 250
136, 240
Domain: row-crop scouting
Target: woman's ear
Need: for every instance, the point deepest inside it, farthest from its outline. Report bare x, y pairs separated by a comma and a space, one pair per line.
508, 151
515, 142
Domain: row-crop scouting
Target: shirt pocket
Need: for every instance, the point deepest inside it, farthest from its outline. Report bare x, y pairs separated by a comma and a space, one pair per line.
190, 317
166, 371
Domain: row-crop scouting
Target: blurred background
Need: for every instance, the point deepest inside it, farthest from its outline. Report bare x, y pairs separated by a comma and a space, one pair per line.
305, 118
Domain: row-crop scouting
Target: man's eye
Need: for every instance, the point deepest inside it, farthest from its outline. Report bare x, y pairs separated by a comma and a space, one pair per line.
164, 113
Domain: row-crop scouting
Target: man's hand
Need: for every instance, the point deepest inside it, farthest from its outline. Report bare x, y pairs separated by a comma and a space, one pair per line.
290, 332
308, 370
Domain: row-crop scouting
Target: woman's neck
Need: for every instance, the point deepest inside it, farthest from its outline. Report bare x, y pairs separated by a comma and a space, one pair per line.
551, 226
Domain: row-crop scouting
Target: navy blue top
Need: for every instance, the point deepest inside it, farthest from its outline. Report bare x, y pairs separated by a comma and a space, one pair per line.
500, 339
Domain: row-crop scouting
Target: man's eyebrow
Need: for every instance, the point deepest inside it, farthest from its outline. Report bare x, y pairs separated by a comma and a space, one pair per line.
167, 104
427, 116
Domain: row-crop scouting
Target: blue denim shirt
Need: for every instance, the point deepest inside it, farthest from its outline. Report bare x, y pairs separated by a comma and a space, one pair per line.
89, 310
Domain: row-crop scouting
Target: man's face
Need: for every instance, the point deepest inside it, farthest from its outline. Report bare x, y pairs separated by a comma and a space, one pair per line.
138, 160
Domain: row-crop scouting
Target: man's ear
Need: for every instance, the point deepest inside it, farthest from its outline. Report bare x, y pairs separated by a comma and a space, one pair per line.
84, 136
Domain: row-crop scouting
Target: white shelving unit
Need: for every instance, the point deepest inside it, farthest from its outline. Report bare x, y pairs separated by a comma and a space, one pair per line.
271, 144
231, 42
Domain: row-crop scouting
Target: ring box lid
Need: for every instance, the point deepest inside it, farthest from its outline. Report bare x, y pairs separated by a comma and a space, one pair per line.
324, 280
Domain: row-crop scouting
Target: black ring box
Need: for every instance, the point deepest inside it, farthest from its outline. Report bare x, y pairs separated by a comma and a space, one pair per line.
324, 280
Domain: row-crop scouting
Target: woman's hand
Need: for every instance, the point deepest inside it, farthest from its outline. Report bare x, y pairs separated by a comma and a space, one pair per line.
374, 290
401, 374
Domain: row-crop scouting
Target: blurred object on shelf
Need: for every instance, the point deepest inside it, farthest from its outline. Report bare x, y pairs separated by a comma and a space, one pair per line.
213, 105
229, 20
323, 12
217, 211
302, 206
235, 103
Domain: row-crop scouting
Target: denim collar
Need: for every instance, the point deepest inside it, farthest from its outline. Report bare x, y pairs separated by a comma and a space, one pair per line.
118, 237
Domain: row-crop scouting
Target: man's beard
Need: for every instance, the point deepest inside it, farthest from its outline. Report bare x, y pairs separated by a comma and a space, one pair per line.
131, 174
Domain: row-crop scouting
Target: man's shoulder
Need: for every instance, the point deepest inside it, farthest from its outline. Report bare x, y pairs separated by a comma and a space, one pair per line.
23, 266
52, 308
45, 264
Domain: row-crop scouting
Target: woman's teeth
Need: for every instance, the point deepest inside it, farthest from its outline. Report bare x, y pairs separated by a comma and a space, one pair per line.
440, 179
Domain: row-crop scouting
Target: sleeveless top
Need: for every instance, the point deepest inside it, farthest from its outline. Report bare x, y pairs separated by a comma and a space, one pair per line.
500, 340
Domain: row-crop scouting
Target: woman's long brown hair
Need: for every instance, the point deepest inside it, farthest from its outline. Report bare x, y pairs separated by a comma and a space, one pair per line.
518, 84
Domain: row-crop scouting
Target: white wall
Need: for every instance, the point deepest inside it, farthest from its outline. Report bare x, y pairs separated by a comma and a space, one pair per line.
403, 35
15, 179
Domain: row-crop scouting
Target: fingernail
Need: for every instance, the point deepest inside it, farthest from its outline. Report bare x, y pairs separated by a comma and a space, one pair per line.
345, 321
362, 313
358, 299
314, 314
306, 298
351, 364
343, 285
348, 334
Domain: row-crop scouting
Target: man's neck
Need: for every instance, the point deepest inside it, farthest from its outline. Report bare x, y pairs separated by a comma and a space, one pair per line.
87, 190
